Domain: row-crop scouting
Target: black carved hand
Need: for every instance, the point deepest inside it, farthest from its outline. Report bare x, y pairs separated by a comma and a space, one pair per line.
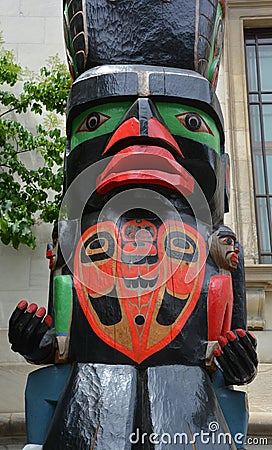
237, 357
29, 332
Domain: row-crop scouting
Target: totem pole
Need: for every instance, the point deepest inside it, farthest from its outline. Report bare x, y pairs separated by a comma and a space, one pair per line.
147, 291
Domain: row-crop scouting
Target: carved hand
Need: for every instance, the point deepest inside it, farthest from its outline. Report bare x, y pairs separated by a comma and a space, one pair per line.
30, 333
237, 357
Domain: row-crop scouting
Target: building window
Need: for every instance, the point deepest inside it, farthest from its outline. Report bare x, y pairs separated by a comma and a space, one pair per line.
258, 47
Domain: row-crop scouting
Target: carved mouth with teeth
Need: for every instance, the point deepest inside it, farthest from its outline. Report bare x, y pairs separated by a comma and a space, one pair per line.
140, 282
139, 259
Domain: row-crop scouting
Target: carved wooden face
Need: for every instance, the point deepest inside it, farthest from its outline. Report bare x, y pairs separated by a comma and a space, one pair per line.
224, 249
153, 275
149, 143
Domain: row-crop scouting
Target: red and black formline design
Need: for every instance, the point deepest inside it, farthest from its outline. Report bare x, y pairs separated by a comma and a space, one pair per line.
140, 265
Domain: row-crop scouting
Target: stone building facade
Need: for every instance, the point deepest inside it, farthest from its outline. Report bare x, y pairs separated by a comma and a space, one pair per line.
244, 16
249, 24
33, 29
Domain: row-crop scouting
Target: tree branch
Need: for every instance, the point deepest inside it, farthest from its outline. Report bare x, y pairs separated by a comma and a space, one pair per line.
7, 112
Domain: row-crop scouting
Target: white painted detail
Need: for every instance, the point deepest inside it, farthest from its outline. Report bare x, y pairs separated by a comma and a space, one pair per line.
33, 447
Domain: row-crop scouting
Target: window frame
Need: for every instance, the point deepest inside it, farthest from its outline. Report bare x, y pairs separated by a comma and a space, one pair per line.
257, 34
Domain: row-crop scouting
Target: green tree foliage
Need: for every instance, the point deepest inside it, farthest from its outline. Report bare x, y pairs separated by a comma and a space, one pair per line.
28, 196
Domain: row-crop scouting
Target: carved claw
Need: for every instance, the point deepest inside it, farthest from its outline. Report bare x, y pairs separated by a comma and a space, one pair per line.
30, 332
237, 358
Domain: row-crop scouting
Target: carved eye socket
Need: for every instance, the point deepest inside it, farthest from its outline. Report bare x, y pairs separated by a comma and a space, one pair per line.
99, 247
194, 122
181, 247
93, 121
227, 240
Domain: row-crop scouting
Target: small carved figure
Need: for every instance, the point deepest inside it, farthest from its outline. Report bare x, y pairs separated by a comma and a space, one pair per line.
224, 248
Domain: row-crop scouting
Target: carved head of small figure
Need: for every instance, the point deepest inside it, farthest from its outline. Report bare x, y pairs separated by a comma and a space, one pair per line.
224, 248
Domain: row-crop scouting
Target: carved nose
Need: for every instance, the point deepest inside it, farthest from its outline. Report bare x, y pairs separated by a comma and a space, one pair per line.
142, 120
129, 128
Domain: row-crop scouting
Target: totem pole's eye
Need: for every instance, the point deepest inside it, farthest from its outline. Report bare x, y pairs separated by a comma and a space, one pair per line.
180, 246
194, 122
227, 240
99, 247
93, 121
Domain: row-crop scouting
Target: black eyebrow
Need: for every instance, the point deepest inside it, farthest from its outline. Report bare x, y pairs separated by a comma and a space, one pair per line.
225, 234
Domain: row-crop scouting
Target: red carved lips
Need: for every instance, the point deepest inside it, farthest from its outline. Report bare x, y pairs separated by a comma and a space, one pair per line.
143, 164
235, 257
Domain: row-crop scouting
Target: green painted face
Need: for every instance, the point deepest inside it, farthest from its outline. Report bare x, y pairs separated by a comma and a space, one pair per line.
191, 123
96, 121
181, 120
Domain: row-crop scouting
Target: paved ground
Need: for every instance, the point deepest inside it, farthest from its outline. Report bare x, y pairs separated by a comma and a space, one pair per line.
11, 443
259, 447
19, 447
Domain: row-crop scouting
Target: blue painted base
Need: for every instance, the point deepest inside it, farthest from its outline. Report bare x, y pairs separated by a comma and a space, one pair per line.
234, 407
43, 389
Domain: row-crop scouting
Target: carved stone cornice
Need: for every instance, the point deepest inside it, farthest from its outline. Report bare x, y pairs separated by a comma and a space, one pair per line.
249, 3
259, 275
258, 292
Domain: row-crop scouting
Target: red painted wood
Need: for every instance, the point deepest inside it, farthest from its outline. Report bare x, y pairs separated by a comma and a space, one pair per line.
220, 304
